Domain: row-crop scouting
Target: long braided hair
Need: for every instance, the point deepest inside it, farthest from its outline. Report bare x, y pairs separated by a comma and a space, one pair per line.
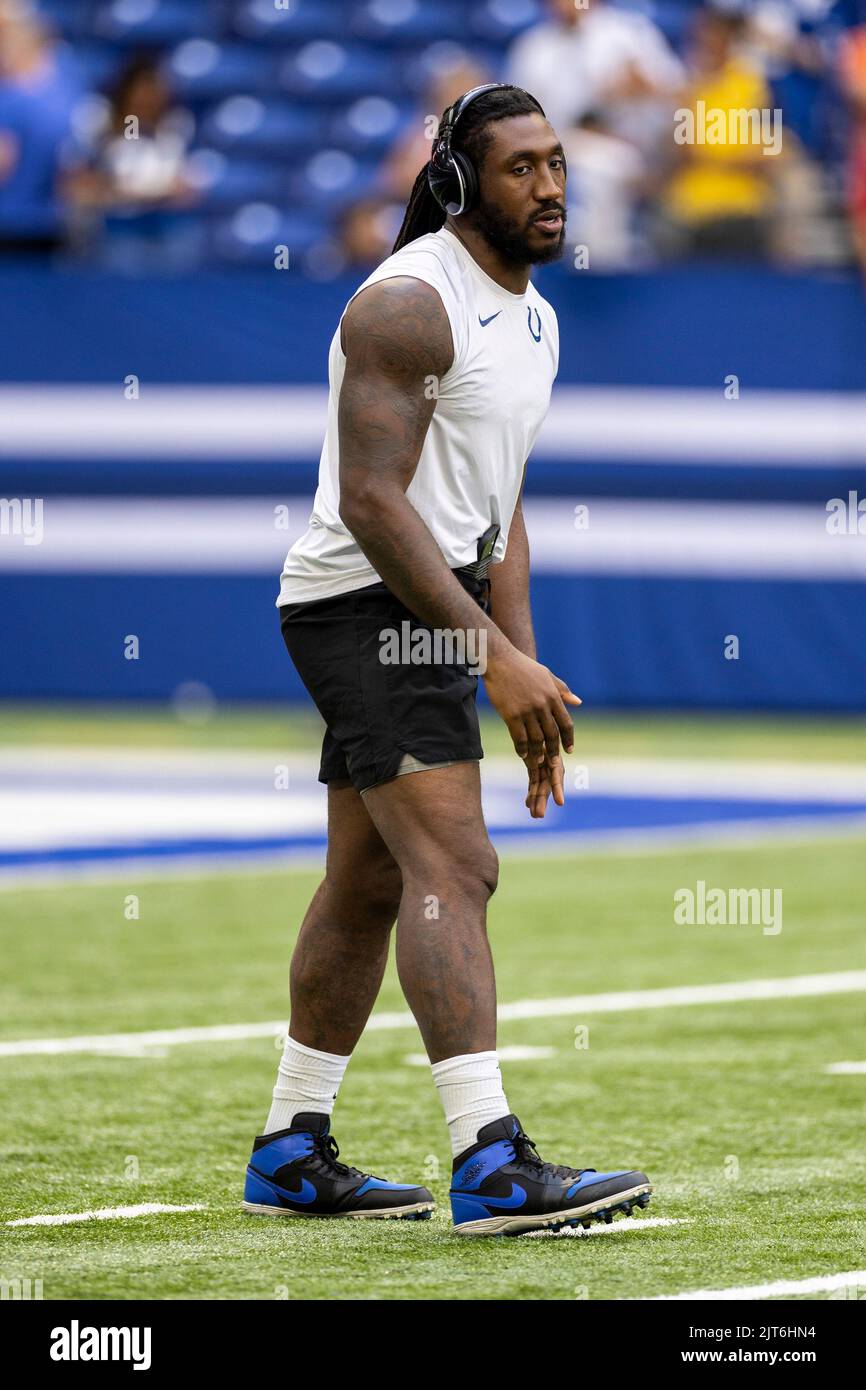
473, 137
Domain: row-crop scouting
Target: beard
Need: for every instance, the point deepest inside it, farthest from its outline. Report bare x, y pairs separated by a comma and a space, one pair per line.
511, 239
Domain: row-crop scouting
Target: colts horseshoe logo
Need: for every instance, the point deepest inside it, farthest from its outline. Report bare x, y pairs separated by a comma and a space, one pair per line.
536, 336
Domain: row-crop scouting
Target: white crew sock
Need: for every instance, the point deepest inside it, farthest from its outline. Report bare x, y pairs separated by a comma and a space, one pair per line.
470, 1088
306, 1080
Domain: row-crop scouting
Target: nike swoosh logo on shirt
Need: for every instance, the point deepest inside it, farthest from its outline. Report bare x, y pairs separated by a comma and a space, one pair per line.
484, 322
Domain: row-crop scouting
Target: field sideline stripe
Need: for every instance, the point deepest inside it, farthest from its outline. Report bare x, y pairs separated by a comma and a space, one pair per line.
68, 1218
745, 835
792, 987
779, 1289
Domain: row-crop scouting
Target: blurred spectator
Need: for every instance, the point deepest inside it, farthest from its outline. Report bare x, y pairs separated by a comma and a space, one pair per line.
412, 149
852, 67
37, 99
367, 231
790, 41
614, 63
719, 199
606, 175
138, 154
133, 175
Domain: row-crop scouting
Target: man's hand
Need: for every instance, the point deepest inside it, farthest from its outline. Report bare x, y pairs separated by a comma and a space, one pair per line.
548, 783
531, 700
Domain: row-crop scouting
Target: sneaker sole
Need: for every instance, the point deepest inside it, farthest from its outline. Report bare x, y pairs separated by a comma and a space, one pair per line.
418, 1211
601, 1210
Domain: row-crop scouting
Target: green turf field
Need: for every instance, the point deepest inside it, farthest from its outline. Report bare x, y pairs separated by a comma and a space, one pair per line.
754, 1150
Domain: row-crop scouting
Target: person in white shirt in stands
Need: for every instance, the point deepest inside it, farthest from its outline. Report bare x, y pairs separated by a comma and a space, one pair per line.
595, 57
609, 81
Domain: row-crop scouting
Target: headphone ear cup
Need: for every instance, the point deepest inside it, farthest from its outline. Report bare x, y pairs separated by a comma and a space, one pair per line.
466, 170
442, 181
452, 182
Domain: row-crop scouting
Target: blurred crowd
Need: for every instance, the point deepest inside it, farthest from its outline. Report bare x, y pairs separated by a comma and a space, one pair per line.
123, 169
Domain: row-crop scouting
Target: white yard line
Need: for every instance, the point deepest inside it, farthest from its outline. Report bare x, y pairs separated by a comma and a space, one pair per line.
625, 1001
737, 991
627, 1226
781, 1288
69, 1218
846, 1069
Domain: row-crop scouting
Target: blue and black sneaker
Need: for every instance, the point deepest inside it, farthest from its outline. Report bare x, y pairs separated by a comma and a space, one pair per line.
500, 1187
295, 1172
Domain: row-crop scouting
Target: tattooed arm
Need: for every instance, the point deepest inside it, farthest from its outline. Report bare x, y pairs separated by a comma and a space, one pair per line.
396, 336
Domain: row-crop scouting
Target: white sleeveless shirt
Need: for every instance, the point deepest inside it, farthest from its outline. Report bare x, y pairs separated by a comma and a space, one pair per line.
490, 407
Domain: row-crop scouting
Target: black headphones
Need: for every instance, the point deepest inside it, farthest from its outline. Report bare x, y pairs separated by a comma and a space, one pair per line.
450, 174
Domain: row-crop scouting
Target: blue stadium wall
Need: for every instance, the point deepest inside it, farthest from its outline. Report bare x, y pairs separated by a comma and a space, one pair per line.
702, 525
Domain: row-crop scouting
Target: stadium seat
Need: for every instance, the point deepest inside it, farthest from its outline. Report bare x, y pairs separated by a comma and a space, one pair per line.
406, 21
156, 240
331, 72
248, 125
202, 69
330, 180
253, 233
222, 182
70, 18
500, 21
419, 68
369, 125
97, 63
302, 21
148, 22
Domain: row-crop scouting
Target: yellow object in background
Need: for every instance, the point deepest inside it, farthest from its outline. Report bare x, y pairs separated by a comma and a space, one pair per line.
715, 181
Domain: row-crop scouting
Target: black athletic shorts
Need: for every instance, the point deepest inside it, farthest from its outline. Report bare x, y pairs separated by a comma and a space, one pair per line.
376, 713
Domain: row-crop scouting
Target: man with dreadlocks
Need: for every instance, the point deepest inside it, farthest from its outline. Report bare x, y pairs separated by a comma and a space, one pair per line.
440, 373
